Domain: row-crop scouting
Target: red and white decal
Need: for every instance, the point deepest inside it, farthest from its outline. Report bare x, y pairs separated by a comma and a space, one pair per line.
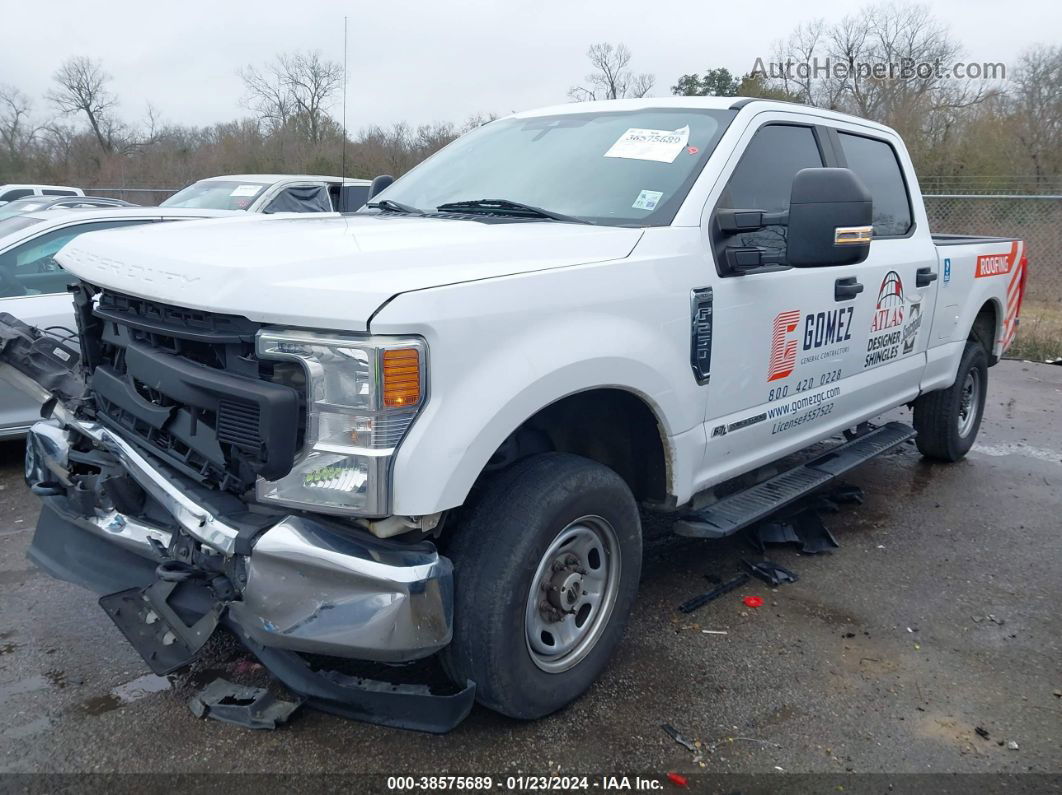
783, 349
995, 264
1017, 266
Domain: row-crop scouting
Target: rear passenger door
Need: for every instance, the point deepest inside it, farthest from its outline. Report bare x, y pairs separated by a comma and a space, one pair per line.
900, 275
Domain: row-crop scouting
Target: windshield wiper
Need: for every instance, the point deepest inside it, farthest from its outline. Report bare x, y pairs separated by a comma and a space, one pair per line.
506, 207
395, 207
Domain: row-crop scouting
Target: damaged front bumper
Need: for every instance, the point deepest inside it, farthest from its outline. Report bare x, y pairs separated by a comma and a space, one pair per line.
120, 524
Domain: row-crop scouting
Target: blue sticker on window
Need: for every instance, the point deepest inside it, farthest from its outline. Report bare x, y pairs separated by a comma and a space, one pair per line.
947, 270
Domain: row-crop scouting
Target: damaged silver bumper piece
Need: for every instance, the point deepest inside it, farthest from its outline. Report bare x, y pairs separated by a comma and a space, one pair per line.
309, 587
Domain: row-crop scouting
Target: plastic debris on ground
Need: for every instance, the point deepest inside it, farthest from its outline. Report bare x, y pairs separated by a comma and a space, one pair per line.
770, 572
752, 601
251, 707
700, 601
801, 524
673, 733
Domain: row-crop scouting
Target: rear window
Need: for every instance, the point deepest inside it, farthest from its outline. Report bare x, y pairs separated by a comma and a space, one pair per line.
17, 193
875, 162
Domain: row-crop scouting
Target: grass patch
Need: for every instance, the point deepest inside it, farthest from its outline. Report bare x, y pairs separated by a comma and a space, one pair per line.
1040, 332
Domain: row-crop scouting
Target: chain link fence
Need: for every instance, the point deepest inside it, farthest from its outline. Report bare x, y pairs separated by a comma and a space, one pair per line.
1036, 219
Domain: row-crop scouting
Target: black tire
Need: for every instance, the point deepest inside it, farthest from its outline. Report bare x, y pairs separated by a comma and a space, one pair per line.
496, 553
944, 433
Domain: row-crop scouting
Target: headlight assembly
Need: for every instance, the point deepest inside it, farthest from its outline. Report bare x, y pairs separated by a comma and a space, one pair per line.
362, 394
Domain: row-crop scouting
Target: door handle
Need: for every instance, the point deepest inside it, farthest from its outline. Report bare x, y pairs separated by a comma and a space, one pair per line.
846, 289
925, 277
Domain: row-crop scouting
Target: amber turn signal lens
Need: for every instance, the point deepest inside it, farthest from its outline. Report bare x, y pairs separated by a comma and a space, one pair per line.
401, 377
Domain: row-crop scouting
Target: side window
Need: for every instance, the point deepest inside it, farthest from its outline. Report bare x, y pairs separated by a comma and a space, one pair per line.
764, 178
17, 193
875, 163
301, 199
47, 192
30, 268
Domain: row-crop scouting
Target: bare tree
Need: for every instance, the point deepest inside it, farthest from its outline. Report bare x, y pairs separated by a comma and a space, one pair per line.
296, 88
82, 88
17, 132
890, 63
612, 77
1036, 98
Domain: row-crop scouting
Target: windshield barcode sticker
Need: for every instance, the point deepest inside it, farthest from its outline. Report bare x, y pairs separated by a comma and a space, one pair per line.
246, 190
663, 146
647, 200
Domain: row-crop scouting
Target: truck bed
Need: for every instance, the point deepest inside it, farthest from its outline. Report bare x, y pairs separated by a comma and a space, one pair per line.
961, 240
975, 272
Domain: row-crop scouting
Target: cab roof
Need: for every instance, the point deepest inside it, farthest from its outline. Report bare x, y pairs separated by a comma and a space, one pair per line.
274, 178
751, 105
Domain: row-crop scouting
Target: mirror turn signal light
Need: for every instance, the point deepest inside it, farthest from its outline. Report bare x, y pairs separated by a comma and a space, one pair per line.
852, 235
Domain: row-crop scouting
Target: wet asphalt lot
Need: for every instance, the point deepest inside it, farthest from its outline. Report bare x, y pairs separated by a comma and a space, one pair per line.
939, 614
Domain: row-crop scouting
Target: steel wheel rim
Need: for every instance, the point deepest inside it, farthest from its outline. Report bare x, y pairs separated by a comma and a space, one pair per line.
969, 399
572, 594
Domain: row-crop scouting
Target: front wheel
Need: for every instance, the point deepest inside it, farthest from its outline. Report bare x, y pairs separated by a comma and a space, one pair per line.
546, 568
948, 420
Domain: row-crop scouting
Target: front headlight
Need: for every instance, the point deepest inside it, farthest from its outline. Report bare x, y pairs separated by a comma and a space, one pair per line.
362, 394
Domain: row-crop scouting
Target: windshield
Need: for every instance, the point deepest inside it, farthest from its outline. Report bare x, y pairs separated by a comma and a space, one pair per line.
214, 194
22, 206
630, 168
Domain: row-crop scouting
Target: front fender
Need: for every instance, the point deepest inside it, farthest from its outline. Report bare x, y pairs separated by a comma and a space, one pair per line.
501, 351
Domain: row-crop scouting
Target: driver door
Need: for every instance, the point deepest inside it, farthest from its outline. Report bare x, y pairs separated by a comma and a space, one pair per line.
786, 339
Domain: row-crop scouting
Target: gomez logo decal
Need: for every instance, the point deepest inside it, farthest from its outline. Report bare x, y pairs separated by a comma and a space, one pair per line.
783, 349
820, 330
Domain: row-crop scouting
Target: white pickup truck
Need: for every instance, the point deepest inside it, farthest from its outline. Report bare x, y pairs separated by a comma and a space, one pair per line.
425, 430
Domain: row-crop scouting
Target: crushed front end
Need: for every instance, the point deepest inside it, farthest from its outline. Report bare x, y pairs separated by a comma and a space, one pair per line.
178, 466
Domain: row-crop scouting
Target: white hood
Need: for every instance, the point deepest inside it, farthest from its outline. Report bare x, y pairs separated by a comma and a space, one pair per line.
325, 272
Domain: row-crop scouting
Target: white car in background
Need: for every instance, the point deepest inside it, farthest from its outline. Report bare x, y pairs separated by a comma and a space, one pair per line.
274, 193
8, 193
33, 285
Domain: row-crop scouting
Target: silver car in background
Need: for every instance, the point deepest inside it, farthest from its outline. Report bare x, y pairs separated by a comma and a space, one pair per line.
33, 286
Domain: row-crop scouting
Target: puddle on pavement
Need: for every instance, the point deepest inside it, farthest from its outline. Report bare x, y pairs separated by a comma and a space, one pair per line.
126, 694
26, 729
30, 684
1013, 448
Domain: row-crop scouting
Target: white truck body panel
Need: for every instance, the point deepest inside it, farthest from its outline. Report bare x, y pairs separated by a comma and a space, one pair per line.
519, 315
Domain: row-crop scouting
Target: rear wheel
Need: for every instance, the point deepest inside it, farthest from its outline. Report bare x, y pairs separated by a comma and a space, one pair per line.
546, 568
948, 420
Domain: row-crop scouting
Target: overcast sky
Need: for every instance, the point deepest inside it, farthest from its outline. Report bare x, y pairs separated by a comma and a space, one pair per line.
428, 61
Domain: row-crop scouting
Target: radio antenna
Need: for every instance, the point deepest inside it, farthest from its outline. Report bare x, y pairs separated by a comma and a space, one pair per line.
343, 166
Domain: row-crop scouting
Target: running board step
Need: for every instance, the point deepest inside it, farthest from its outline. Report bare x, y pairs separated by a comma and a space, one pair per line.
756, 503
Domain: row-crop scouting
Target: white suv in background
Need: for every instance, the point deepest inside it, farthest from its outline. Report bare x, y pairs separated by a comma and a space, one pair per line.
273, 193
8, 193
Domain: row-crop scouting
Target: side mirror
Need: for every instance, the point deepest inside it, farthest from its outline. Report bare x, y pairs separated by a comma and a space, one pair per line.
379, 184
830, 214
